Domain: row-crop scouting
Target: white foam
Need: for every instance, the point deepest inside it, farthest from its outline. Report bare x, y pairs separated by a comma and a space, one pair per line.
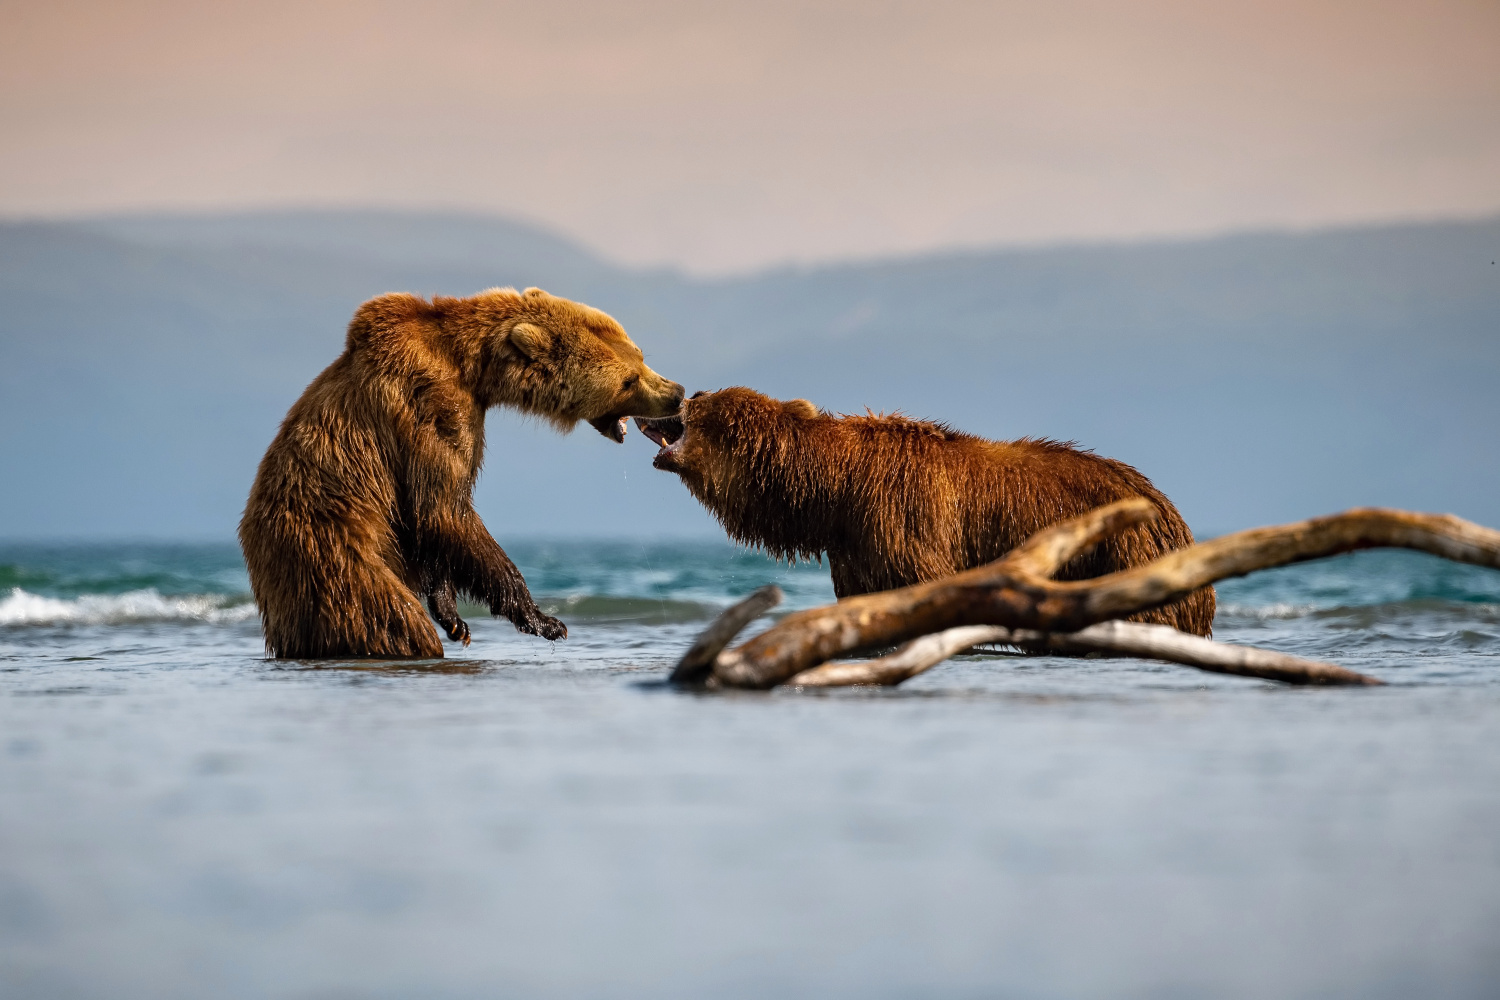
1265, 612
22, 608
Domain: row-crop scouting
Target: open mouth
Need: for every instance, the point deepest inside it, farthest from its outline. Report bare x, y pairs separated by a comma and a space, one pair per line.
611, 427
667, 432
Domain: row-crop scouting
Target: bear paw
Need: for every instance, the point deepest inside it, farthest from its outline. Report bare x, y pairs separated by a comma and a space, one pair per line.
536, 623
458, 630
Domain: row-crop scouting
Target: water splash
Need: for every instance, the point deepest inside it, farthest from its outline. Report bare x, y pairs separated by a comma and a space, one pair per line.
134, 607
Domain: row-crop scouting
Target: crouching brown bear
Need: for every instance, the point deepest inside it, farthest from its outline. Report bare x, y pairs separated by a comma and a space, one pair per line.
363, 501
893, 501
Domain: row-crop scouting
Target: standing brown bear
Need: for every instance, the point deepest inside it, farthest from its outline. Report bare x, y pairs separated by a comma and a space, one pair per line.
894, 502
364, 499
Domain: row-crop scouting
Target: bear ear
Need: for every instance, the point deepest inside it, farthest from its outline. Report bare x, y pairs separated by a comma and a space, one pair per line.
530, 340
801, 407
533, 293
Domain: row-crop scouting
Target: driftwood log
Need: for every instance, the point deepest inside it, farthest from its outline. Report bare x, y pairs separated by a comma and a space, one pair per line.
698, 662
1136, 639
1015, 601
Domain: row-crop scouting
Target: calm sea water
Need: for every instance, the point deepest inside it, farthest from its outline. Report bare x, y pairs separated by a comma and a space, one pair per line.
181, 818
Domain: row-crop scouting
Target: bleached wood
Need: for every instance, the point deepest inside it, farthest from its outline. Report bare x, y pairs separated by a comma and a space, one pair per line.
906, 662
1113, 638
697, 663
1162, 642
1014, 592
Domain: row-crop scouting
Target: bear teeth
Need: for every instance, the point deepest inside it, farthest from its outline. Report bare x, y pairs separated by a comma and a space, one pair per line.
657, 430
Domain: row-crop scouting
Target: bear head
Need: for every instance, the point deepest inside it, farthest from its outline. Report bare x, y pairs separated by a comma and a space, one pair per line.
566, 362
728, 446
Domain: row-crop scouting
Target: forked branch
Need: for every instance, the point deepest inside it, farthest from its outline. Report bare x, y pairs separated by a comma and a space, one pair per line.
911, 659
1114, 638
698, 662
1015, 592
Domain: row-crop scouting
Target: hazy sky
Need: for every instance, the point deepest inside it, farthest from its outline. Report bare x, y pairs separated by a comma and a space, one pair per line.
719, 137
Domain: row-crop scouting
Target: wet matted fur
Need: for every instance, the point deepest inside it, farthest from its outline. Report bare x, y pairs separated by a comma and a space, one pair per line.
363, 501
892, 501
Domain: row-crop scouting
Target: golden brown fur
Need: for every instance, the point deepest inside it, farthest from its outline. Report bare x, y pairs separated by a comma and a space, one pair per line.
363, 501
893, 502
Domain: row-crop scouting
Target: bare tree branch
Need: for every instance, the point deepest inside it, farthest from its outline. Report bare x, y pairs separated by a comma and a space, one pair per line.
1117, 638
906, 662
1014, 593
697, 663
1179, 573
1162, 642
1048, 551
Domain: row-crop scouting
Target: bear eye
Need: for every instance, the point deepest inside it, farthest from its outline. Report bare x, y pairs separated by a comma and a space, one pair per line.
630, 383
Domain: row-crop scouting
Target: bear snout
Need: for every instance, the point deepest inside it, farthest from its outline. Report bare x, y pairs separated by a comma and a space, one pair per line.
667, 400
644, 402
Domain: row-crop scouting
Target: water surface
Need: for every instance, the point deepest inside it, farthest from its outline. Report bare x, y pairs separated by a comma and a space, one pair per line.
181, 818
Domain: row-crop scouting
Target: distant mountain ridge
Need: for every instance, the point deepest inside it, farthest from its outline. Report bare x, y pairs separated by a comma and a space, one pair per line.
433, 239
145, 360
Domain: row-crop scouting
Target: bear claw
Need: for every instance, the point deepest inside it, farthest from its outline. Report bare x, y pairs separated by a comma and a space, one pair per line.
546, 626
552, 629
458, 631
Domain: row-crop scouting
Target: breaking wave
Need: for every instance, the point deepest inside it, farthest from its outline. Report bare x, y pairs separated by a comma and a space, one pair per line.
1267, 612
606, 610
20, 607
1436, 613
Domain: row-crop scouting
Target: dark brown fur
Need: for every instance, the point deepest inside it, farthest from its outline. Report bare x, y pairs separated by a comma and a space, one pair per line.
893, 502
363, 501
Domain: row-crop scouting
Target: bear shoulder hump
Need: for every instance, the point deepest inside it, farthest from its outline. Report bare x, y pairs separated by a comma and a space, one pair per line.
386, 315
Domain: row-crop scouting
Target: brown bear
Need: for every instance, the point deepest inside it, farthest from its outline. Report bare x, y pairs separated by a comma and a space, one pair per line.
364, 499
893, 501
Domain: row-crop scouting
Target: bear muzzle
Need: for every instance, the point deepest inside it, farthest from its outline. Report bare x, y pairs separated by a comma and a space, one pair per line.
663, 404
668, 432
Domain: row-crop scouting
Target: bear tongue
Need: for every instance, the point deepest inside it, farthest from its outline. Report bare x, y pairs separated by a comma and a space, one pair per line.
664, 431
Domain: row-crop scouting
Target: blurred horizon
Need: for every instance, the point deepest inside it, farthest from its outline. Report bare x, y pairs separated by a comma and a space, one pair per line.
168, 225
145, 361
1246, 249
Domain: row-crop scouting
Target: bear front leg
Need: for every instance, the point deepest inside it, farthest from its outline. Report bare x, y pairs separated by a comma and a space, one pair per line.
442, 601
515, 603
480, 567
